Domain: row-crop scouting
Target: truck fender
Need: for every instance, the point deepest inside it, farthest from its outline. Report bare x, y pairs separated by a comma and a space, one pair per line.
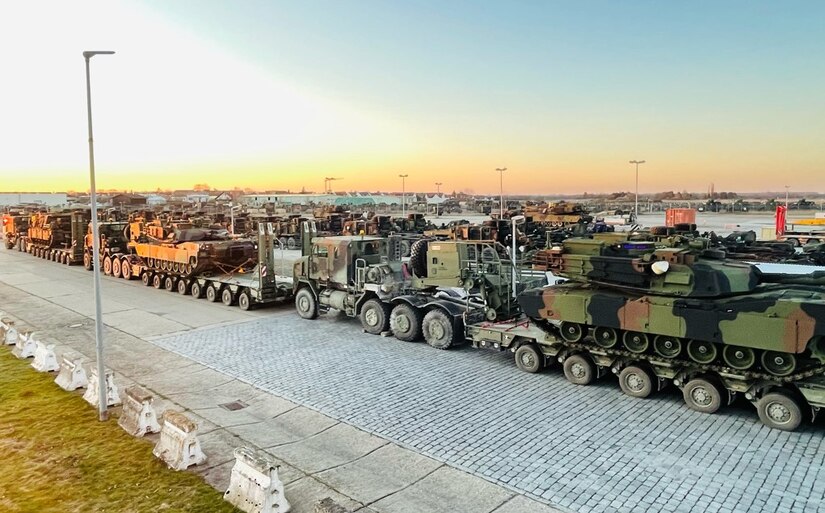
363, 299
305, 284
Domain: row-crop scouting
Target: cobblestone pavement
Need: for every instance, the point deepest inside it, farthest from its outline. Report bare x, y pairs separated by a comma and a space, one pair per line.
590, 449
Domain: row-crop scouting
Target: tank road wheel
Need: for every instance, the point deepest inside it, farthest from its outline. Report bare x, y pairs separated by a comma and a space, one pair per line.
778, 364
150, 262
669, 347
701, 352
196, 290
87, 261
169, 283
405, 322
739, 358
702, 394
636, 342
606, 337
579, 369
125, 270
529, 358
636, 381
572, 332
779, 410
116, 267
305, 304
157, 282
211, 293
244, 300
375, 316
438, 330
183, 287
107, 266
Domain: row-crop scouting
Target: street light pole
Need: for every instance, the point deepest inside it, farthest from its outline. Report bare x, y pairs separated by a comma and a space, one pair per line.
438, 187
103, 407
403, 196
636, 207
516, 220
501, 171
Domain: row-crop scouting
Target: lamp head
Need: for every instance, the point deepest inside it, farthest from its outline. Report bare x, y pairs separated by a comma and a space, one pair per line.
91, 53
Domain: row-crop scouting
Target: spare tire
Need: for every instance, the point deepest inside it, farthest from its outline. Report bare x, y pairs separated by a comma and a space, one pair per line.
418, 258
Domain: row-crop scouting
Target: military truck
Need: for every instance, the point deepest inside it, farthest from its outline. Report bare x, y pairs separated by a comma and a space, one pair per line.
713, 327
15, 228
113, 245
58, 236
444, 285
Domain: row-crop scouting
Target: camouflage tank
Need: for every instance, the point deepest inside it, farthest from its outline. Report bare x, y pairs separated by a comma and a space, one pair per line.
675, 303
188, 251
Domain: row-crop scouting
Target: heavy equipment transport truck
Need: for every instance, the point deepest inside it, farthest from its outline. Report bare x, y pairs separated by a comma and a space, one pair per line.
251, 283
57, 236
15, 228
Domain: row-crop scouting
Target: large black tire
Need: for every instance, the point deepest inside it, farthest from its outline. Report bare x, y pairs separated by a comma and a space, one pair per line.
579, 369
183, 287
212, 294
87, 261
637, 381
196, 290
107, 266
169, 284
703, 395
116, 267
305, 303
375, 316
439, 330
780, 410
146, 277
529, 358
157, 281
418, 258
227, 297
405, 322
125, 269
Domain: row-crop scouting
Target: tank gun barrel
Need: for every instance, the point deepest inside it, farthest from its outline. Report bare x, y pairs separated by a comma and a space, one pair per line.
815, 278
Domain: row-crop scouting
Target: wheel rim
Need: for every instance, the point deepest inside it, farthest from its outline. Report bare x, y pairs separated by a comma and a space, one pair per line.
606, 337
701, 396
668, 347
243, 301
701, 352
634, 381
778, 412
578, 370
303, 304
436, 330
402, 323
528, 359
778, 364
571, 332
739, 358
371, 317
636, 342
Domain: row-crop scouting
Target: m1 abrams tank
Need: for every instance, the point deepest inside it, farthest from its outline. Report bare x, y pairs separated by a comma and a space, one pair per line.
186, 251
675, 303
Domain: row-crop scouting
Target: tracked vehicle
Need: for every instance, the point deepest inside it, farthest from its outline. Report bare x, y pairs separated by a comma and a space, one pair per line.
58, 236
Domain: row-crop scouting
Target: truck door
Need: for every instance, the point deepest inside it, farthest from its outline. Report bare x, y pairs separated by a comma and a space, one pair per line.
319, 266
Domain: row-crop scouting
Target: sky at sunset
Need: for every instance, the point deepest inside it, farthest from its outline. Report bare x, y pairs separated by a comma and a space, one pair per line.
280, 94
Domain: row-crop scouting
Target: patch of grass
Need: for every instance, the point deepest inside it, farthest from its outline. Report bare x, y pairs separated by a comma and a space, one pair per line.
56, 456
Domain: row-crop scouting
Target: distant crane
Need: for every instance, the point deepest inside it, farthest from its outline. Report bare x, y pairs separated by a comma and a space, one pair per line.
327, 186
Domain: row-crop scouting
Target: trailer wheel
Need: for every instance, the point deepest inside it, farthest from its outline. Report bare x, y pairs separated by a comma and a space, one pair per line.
183, 287
157, 282
107, 266
703, 395
375, 316
146, 277
169, 283
116, 267
196, 290
438, 330
405, 322
636, 381
211, 293
780, 410
579, 369
125, 270
227, 297
305, 304
529, 358
290, 243
244, 300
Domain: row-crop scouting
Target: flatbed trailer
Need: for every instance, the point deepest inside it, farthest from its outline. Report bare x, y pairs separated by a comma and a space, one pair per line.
535, 346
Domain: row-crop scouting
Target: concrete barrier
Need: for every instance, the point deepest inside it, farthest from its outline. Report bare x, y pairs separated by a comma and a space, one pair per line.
327, 505
72, 375
10, 334
138, 416
91, 395
25, 346
44, 357
254, 485
178, 445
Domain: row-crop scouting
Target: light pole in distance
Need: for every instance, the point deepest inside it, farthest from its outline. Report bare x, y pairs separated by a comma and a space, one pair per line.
103, 407
403, 196
636, 207
516, 220
501, 171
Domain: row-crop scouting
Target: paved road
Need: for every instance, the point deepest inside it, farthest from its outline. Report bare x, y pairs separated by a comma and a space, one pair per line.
585, 448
